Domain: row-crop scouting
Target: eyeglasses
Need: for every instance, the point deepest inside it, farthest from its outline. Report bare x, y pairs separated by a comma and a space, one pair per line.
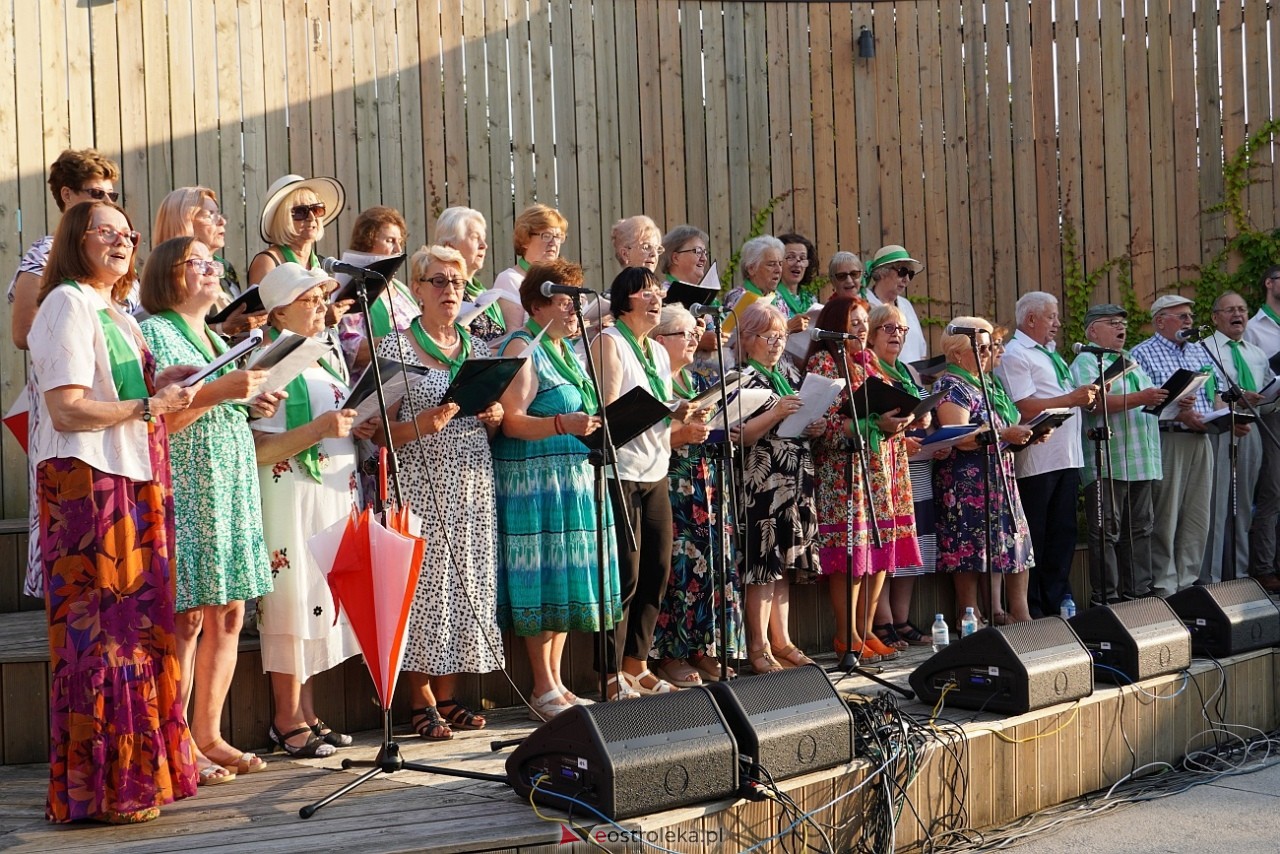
549, 236
773, 340
687, 336
906, 272
301, 213
792, 258
650, 249
890, 328
700, 251
99, 194
311, 303
213, 217
206, 267
851, 275
1232, 309
1185, 315
1114, 324
441, 281
111, 236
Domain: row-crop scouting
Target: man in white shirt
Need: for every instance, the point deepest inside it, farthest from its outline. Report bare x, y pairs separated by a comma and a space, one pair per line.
1037, 378
888, 275
1264, 331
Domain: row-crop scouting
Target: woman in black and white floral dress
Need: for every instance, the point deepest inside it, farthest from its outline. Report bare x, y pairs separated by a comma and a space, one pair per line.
446, 471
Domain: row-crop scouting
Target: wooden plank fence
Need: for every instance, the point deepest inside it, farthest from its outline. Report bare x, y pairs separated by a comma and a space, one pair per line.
973, 130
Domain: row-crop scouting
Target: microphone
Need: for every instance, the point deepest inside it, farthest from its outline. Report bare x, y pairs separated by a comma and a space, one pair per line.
1093, 350
550, 289
700, 310
971, 331
817, 334
1195, 333
333, 267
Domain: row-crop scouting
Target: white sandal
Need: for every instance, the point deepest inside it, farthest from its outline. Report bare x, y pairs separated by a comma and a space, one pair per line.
636, 682
547, 706
622, 690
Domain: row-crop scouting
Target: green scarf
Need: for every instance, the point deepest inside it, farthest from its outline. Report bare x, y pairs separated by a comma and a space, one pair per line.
433, 350
749, 285
567, 366
287, 254
1271, 313
1059, 367
523, 264
683, 385
777, 379
126, 367
899, 373
380, 309
1244, 376
793, 301
297, 412
474, 289
644, 352
999, 396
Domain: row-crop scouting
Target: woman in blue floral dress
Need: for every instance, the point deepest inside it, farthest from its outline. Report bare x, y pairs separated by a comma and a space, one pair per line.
960, 480
686, 642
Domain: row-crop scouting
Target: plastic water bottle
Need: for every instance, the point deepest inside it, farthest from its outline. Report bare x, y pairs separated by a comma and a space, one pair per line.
968, 623
941, 637
1068, 608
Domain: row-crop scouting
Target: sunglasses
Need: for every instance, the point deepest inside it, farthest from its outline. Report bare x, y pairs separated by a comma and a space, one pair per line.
301, 213
851, 276
99, 194
206, 267
111, 236
906, 272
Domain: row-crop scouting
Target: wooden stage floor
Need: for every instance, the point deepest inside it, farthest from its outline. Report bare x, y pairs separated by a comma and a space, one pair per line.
1014, 766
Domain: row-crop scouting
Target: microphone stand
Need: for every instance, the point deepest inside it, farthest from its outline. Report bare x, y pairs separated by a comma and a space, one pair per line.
723, 455
1101, 436
607, 455
857, 446
992, 459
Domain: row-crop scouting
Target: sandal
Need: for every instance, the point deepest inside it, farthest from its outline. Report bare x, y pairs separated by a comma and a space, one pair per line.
888, 635
791, 656
460, 717
636, 681
134, 817
244, 763
1001, 618
912, 635
549, 705
864, 654
337, 739
709, 666
214, 774
313, 749
762, 661
432, 727
621, 689
883, 650
680, 673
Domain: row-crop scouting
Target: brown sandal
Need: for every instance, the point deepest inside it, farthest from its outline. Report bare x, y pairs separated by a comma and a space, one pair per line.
791, 656
762, 661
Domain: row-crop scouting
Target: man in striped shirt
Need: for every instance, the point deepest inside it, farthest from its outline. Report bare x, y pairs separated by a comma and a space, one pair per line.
1181, 498
1120, 558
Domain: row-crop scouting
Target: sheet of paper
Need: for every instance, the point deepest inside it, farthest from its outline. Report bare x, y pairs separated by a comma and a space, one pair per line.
742, 406
471, 309
816, 396
951, 437
798, 342
743, 303
252, 340
1171, 407
282, 372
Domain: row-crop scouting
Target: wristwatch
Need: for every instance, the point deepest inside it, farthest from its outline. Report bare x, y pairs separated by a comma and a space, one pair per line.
146, 409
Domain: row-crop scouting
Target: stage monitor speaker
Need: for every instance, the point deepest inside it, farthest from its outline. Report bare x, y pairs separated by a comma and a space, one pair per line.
1228, 618
1011, 669
789, 722
629, 757
1139, 639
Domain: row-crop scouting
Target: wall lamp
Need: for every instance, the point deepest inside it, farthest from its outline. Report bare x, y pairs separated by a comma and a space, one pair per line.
866, 44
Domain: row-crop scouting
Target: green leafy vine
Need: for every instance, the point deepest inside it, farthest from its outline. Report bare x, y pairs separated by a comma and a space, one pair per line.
759, 221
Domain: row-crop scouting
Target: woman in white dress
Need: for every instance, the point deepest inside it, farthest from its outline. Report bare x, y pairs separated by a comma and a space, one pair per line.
307, 475
446, 471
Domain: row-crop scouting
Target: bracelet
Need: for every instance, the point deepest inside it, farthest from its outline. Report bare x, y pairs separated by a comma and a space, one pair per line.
559, 426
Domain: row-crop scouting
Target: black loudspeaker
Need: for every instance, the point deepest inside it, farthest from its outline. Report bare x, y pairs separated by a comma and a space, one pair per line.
1140, 639
1012, 669
788, 722
629, 757
1228, 618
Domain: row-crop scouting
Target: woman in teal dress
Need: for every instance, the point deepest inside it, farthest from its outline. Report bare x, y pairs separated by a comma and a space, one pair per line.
220, 558
549, 583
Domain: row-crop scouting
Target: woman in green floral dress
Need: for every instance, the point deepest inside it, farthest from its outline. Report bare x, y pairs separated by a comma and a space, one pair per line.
220, 558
